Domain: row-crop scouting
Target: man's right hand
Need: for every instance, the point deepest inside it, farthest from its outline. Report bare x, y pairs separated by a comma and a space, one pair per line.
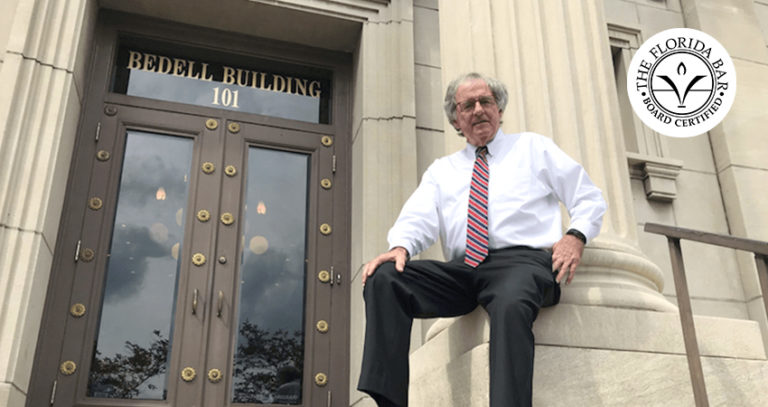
398, 254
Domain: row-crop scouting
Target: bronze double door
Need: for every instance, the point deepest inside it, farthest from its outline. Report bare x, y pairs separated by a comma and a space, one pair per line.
204, 268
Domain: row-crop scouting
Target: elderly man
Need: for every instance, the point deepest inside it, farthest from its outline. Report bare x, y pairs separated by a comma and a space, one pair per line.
494, 206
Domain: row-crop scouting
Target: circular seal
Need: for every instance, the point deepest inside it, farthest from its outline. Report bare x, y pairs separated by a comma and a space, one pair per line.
681, 82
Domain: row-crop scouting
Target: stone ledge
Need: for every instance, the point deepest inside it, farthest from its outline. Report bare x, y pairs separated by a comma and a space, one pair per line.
593, 377
594, 327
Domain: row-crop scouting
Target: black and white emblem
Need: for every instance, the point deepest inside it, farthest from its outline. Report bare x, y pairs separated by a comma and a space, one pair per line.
681, 82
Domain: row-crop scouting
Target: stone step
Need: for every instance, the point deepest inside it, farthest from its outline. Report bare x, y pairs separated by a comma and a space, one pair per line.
597, 356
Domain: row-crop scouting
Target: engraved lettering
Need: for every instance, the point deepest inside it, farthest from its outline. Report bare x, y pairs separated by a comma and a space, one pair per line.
134, 60
301, 87
164, 65
229, 76
191, 69
242, 77
314, 89
204, 74
264, 82
179, 65
149, 62
279, 82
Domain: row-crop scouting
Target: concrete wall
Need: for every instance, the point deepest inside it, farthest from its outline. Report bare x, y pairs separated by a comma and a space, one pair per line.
719, 282
761, 12
44, 49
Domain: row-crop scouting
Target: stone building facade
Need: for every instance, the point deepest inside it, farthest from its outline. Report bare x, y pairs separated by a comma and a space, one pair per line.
370, 75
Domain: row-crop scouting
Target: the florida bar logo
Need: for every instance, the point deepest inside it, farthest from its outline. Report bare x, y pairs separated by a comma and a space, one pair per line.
681, 82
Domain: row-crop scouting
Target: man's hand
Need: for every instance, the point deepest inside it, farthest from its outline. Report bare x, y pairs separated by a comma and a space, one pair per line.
398, 254
566, 255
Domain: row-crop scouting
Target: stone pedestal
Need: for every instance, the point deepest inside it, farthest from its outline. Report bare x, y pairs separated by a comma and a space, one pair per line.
597, 356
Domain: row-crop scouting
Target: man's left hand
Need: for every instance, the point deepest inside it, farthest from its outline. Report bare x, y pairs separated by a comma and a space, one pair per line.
566, 255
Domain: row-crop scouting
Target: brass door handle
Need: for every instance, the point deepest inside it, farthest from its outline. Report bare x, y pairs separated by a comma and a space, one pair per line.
195, 294
221, 303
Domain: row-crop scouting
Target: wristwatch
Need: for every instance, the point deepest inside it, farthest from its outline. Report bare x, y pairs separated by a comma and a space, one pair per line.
577, 234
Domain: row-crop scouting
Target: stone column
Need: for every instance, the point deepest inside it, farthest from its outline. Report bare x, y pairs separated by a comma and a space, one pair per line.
554, 58
384, 150
41, 83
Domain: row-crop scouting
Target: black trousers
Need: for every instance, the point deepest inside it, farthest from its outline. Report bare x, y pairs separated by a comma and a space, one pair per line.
511, 284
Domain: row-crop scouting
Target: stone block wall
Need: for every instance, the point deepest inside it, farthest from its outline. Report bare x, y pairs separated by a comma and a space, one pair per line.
719, 279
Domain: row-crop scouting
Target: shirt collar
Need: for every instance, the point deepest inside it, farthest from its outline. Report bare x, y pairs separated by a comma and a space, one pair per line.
494, 146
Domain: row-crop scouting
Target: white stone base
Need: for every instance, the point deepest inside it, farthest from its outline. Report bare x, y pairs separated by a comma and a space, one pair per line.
10, 396
595, 356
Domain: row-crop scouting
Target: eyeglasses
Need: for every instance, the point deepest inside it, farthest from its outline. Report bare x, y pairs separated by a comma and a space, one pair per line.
469, 104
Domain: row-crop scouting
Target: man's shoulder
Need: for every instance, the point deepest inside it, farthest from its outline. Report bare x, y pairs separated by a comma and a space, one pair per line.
533, 137
450, 160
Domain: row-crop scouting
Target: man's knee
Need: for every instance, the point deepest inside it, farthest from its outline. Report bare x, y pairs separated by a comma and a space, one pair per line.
382, 277
514, 310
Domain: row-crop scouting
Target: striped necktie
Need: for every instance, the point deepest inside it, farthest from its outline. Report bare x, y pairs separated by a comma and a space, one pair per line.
477, 219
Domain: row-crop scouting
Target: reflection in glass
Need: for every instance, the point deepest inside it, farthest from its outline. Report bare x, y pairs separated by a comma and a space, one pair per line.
132, 346
269, 358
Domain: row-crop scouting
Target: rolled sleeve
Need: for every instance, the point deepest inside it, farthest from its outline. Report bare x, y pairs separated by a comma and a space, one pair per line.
572, 185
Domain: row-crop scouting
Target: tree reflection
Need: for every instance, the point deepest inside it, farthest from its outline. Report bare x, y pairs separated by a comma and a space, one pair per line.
268, 365
123, 376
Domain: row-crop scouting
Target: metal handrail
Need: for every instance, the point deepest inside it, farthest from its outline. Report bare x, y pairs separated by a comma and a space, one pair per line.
674, 234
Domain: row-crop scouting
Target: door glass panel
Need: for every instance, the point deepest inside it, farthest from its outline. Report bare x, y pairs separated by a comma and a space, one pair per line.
268, 362
132, 348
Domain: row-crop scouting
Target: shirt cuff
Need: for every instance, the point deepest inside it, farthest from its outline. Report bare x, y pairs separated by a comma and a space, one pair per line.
406, 245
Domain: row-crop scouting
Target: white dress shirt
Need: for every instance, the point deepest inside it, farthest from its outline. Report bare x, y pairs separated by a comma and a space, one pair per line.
529, 175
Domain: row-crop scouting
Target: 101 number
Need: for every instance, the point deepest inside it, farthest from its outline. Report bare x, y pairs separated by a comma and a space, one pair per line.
226, 97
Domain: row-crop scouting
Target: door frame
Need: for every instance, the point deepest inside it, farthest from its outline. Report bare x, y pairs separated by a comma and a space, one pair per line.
46, 375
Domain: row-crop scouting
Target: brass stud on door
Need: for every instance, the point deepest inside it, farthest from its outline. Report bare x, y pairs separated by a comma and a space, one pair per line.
321, 379
325, 229
326, 183
208, 167
214, 375
198, 259
324, 276
188, 374
230, 170
110, 110
327, 141
203, 215
102, 155
234, 127
211, 124
227, 218
95, 203
68, 368
77, 310
322, 326
87, 254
